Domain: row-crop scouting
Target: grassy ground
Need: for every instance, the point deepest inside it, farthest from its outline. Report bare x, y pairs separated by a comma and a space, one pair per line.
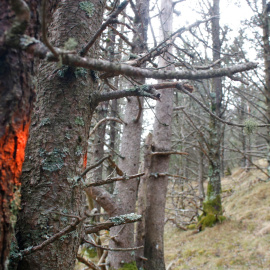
241, 242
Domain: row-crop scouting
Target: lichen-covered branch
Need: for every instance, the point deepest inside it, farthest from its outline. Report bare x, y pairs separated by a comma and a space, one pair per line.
113, 221
114, 179
38, 49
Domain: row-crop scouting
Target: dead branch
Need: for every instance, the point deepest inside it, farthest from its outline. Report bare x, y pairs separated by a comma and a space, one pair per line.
113, 165
110, 20
124, 38
111, 180
104, 120
113, 249
35, 47
112, 222
215, 116
93, 166
69, 228
44, 30
168, 153
88, 263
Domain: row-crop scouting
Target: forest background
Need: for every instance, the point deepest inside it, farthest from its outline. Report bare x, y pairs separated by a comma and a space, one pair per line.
81, 71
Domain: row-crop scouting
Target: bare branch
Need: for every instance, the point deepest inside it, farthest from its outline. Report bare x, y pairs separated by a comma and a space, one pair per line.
44, 31
112, 222
111, 180
69, 228
38, 49
88, 263
113, 249
110, 20
216, 117
168, 153
104, 120
93, 166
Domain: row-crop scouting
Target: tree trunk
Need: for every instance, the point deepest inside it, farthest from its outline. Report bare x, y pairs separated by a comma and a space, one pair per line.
57, 148
212, 204
126, 191
157, 185
266, 55
16, 103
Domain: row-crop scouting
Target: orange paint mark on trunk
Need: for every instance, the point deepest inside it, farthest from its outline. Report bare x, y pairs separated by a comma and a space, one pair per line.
12, 152
85, 160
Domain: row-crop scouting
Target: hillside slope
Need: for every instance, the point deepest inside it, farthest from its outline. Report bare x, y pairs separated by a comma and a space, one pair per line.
241, 242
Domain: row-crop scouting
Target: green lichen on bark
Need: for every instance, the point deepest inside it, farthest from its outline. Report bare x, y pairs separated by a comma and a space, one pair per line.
79, 121
88, 7
123, 218
52, 161
129, 266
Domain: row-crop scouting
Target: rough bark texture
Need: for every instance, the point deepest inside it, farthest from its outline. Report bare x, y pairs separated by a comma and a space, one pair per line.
57, 147
16, 103
126, 191
157, 186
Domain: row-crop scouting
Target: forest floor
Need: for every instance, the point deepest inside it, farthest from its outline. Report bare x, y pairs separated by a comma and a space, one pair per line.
240, 242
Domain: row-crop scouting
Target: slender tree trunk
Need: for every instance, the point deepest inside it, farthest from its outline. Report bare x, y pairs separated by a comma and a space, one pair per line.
200, 177
266, 55
126, 191
157, 185
57, 147
212, 204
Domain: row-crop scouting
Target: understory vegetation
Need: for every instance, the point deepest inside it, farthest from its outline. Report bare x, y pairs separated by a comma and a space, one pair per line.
239, 242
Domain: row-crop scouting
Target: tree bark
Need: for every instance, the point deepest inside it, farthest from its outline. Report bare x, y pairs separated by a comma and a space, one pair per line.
16, 103
212, 204
266, 56
57, 148
157, 186
126, 191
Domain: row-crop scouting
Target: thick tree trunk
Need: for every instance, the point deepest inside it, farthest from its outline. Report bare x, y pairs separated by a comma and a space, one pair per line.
16, 103
57, 147
157, 185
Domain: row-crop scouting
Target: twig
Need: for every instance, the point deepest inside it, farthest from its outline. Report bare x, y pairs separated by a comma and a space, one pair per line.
93, 166
215, 116
111, 180
104, 120
69, 228
103, 257
113, 165
140, 110
112, 222
44, 32
90, 264
168, 153
112, 249
110, 20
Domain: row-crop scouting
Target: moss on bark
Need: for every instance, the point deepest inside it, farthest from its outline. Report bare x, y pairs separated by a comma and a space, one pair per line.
129, 266
212, 209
